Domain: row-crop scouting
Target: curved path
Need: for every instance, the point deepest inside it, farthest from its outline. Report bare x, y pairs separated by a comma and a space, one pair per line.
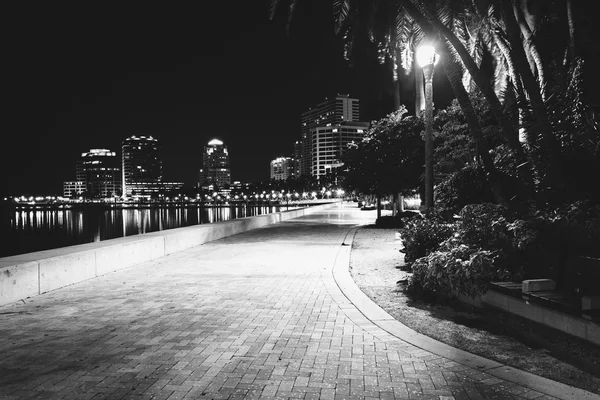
256, 315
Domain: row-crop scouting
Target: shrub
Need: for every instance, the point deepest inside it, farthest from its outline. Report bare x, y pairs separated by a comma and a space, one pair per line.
466, 186
490, 243
454, 270
422, 236
482, 250
485, 225
583, 226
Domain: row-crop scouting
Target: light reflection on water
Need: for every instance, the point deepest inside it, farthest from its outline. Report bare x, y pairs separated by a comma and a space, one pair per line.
27, 230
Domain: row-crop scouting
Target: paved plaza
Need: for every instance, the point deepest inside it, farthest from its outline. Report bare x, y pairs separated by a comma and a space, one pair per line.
259, 315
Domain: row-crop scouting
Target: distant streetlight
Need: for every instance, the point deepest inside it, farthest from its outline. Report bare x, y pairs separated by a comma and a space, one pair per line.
426, 58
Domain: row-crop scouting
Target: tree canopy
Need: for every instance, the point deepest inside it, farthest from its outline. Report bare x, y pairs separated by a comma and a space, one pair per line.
389, 159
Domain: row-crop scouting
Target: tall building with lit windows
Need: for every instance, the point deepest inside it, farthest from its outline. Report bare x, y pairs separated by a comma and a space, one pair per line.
97, 174
215, 170
297, 157
101, 172
330, 142
282, 168
141, 165
333, 111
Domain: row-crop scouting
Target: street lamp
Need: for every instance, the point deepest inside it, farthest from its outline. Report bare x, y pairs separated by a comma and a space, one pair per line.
426, 58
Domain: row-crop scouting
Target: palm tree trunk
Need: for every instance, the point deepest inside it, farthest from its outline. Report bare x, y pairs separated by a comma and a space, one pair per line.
533, 54
549, 143
419, 88
454, 77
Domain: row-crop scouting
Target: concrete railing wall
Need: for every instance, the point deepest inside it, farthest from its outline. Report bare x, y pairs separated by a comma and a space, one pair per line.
27, 275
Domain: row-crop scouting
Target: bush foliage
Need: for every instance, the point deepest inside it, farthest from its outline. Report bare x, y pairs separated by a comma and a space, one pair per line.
422, 236
457, 269
481, 247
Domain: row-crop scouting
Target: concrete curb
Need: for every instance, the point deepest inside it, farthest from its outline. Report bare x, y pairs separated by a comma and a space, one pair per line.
378, 316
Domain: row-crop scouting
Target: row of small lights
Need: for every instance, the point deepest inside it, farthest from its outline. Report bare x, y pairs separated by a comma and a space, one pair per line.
215, 195
38, 198
265, 195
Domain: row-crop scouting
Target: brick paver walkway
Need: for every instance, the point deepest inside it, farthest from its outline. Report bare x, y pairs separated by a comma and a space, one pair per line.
257, 315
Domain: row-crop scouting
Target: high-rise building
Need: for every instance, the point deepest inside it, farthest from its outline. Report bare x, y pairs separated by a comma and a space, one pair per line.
215, 170
297, 157
101, 173
329, 143
330, 112
141, 165
97, 174
79, 171
282, 168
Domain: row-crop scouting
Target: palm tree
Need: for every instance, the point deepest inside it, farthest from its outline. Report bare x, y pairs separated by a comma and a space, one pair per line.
400, 34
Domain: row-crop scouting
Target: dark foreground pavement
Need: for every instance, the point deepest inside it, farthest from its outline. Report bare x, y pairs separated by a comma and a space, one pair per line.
256, 315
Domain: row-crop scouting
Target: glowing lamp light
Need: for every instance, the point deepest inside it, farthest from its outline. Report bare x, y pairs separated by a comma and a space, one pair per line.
426, 55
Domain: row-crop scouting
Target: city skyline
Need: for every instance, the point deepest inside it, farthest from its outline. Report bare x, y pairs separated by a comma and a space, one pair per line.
87, 78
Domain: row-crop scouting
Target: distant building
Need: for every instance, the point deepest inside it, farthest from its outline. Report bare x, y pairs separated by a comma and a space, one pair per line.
97, 174
79, 171
215, 171
334, 111
297, 157
141, 163
73, 188
329, 142
101, 173
142, 172
152, 189
282, 168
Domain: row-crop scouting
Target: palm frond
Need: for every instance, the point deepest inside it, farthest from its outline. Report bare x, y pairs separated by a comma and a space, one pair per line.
273, 8
341, 10
291, 9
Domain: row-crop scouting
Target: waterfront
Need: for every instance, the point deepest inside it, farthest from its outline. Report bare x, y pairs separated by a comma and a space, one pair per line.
26, 230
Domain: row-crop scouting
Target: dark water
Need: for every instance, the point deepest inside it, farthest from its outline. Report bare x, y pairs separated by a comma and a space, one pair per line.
24, 231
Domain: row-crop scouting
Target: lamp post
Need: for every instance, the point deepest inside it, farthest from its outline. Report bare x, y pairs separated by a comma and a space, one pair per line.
426, 58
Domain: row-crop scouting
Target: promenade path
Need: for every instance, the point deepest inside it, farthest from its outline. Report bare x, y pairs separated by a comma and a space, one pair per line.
258, 315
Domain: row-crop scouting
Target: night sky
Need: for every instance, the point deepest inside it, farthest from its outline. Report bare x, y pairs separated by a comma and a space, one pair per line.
88, 76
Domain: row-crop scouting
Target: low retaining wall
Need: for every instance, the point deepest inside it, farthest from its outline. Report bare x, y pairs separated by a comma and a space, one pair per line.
573, 325
27, 275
